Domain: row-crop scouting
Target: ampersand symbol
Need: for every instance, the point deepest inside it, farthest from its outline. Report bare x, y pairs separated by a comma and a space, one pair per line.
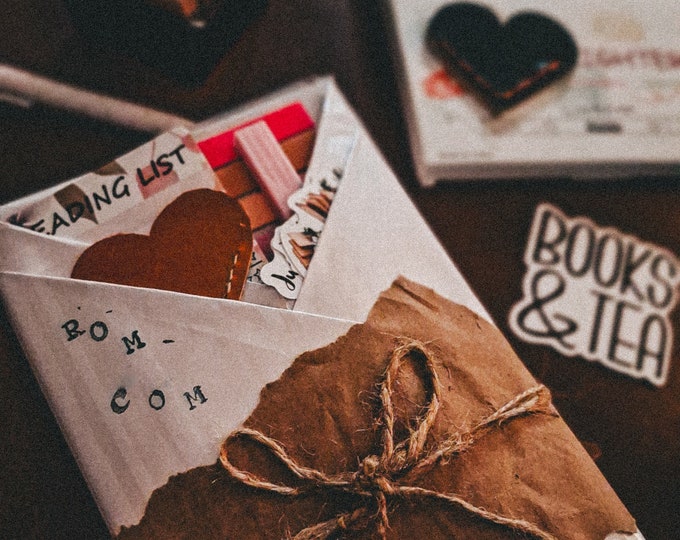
549, 329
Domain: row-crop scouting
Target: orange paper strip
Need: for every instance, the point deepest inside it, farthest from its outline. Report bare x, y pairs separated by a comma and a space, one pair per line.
237, 181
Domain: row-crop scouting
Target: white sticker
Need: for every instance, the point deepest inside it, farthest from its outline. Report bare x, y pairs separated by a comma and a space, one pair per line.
597, 293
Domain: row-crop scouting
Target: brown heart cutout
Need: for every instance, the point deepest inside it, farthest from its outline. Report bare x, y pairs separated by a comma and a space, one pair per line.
199, 244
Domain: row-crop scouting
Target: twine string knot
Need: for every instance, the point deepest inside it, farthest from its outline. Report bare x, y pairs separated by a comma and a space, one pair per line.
380, 478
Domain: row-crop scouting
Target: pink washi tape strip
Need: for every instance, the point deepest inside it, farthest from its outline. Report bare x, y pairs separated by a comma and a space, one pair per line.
286, 122
264, 157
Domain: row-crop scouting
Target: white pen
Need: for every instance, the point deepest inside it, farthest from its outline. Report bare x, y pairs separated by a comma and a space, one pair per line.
23, 88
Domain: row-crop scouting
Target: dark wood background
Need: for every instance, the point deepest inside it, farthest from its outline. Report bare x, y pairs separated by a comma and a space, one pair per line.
482, 225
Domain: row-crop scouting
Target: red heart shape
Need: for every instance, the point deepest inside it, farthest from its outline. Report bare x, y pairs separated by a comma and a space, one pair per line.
199, 244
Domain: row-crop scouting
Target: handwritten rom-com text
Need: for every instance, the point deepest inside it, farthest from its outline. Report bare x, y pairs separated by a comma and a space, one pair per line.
128, 344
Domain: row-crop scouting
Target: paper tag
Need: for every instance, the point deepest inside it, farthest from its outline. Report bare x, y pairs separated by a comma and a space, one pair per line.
128, 190
598, 293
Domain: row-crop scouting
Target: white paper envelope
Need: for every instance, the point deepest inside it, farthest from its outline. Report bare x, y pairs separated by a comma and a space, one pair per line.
145, 383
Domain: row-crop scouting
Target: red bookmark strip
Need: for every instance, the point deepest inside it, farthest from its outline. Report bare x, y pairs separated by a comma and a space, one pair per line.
236, 180
258, 147
283, 123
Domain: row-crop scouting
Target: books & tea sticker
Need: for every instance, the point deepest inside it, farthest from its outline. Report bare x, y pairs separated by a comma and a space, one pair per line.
598, 293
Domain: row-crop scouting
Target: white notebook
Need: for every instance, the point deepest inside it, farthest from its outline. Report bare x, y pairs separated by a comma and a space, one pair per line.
616, 115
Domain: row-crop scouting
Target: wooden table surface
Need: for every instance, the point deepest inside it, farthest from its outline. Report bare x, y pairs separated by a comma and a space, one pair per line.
482, 225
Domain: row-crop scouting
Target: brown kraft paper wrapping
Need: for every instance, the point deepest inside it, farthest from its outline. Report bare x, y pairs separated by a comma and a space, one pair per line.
325, 413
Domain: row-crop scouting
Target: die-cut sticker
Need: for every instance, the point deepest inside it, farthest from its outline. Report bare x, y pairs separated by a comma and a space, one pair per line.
502, 64
598, 293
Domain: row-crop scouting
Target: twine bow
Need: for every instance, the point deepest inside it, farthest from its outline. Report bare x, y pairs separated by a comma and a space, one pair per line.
390, 475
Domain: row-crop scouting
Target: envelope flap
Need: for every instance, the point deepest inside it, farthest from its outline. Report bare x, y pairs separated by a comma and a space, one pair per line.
27, 251
373, 234
136, 375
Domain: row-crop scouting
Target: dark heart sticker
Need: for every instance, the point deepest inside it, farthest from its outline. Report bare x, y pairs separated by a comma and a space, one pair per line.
502, 64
